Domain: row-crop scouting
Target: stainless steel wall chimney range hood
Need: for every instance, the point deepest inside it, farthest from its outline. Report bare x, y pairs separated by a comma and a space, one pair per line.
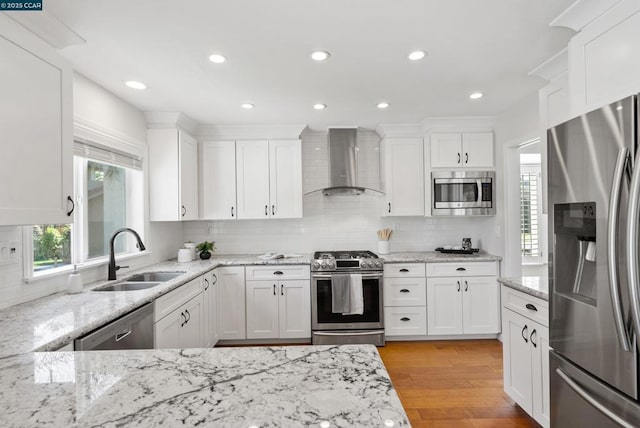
343, 163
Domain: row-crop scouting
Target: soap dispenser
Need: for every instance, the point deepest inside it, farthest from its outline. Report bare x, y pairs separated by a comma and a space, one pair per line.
74, 284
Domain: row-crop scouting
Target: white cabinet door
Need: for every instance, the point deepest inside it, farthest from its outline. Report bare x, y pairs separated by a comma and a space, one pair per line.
252, 178
214, 307
262, 309
477, 150
218, 180
517, 358
285, 179
231, 303
539, 340
210, 301
167, 330
480, 305
446, 150
188, 176
36, 128
444, 306
294, 309
404, 177
191, 333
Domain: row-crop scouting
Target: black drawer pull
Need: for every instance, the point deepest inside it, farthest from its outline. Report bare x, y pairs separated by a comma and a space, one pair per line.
278, 272
404, 270
532, 307
404, 290
405, 319
461, 269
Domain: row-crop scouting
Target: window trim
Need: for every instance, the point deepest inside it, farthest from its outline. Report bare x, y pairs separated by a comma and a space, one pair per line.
540, 258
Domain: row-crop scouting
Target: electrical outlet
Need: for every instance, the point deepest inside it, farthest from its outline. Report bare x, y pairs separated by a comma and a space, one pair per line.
396, 227
14, 251
210, 231
4, 252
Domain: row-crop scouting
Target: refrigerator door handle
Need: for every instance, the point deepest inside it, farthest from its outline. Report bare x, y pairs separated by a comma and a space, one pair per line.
591, 400
632, 245
619, 173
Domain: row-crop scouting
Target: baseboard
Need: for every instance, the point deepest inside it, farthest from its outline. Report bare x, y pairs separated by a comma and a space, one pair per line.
444, 337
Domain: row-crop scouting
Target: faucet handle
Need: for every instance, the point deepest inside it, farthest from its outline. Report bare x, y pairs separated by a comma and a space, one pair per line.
121, 267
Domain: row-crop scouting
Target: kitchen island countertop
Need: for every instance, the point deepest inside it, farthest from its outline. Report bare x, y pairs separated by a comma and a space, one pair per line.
336, 386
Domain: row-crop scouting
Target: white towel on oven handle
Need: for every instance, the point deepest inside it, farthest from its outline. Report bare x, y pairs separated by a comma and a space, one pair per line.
357, 295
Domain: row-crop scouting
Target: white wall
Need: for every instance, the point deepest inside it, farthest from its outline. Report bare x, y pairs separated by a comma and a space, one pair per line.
340, 221
101, 110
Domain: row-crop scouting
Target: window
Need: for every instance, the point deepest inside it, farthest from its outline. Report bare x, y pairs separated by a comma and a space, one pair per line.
108, 195
530, 208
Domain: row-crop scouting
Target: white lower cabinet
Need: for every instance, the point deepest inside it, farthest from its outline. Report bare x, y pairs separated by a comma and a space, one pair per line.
231, 303
278, 309
525, 351
404, 297
183, 327
405, 321
210, 298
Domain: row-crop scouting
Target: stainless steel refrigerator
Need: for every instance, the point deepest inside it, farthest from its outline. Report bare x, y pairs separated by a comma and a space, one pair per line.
594, 186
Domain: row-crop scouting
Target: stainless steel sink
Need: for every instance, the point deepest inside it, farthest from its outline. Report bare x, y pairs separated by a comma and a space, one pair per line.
154, 277
129, 286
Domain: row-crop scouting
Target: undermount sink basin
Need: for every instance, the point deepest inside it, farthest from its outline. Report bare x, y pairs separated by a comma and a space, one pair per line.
154, 277
129, 286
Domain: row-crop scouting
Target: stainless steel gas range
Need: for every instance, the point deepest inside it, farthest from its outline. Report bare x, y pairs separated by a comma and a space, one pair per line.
329, 327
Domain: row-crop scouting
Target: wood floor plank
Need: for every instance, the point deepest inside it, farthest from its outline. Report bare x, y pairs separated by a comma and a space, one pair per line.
452, 384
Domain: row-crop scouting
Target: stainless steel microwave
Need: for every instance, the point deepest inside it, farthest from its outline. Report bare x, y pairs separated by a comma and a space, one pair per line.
463, 193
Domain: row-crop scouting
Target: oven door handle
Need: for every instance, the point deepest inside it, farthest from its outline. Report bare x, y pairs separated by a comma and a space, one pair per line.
359, 333
364, 275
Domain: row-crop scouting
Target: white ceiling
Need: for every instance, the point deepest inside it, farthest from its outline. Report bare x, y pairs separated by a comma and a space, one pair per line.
472, 45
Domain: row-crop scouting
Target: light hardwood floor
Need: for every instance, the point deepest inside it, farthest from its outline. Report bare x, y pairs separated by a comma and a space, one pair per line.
452, 384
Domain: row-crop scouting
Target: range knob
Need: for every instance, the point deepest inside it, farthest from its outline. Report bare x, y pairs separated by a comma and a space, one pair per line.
324, 265
331, 265
366, 264
316, 265
378, 264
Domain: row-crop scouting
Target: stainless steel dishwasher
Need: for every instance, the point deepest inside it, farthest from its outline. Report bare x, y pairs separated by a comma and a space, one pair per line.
131, 331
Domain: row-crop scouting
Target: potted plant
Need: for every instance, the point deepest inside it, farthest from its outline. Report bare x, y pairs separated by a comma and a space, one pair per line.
205, 248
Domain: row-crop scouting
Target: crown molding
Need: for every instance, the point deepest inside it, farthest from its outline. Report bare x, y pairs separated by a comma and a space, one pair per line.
170, 119
400, 130
553, 67
49, 28
582, 12
87, 130
250, 132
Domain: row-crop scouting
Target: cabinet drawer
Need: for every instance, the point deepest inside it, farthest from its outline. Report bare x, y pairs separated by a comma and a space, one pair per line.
277, 272
404, 291
405, 321
171, 301
517, 301
462, 269
402, 270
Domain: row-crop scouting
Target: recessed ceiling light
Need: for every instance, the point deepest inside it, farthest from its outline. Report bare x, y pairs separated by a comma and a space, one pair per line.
135, 85
416, 55
476, 95
319, 106
383, 105
248, 106
217, 58
320, 55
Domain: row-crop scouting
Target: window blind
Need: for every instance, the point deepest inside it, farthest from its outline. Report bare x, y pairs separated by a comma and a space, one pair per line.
97, 152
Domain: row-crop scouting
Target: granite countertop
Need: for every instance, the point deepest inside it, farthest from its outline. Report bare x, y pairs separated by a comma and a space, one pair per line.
436, 257
53, 321
537, 286
321, 386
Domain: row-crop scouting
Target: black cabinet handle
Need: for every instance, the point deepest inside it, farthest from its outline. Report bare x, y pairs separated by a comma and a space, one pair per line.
185, 319
73, 206
466, 286
535, 345
466, 158
458, 285
281, 289
404, 270
274, 289
530, 306
207, 286
266, 210
461, 269
231, 211
524, 336
404, 290
215, 279
389, 207
184, 211
188, 314
273, 210
458, 157
278, 272
405, 319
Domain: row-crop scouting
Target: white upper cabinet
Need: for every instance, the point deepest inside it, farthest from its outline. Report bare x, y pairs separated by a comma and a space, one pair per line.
36, 128
462, 150
173, 175
285, 179
252, 172
403, 176
218, 180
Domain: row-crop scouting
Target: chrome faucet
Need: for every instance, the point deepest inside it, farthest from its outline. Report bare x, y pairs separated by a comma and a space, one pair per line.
112, 256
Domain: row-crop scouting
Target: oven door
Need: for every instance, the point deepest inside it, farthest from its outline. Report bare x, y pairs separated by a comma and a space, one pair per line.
324, 319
